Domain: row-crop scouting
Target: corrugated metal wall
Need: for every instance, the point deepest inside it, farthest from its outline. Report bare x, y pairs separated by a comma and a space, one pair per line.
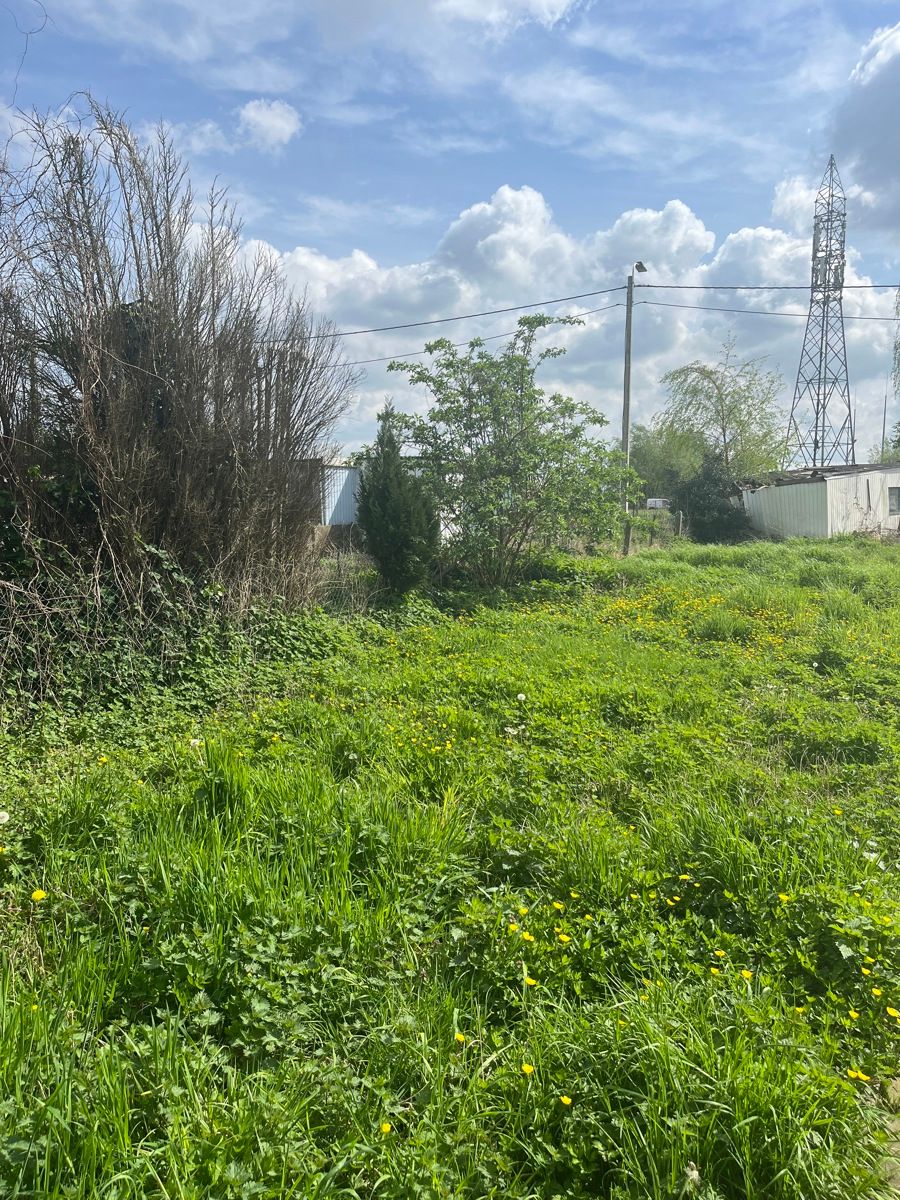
859, 503
339, 487
792, 510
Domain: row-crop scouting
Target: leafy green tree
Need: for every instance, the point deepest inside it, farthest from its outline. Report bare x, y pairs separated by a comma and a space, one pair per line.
733, 407
665, 456
705, 500
514, 470
890, 451
396, 514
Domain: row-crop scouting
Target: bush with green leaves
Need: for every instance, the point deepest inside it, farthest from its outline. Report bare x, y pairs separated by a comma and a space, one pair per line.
395, 511
706, 499
514, 471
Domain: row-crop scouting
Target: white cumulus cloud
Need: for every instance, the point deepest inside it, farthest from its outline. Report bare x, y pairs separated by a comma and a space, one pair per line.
511, 250
269, 123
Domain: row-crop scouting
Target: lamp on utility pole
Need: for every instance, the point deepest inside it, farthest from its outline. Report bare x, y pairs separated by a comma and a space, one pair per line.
626, 396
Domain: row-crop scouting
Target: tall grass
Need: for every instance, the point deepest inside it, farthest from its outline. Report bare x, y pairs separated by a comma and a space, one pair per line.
635, 831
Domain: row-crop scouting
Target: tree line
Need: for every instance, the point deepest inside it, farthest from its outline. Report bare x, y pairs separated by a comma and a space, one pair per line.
165, 398
497, 471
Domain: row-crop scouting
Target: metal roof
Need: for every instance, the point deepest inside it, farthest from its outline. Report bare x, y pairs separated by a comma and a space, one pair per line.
819, 474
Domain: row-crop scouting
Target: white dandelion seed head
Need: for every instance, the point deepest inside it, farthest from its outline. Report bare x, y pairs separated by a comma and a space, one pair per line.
521, 696
195, 742
4, 817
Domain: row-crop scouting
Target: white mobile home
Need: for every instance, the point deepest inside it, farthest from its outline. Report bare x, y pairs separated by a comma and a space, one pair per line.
821, 502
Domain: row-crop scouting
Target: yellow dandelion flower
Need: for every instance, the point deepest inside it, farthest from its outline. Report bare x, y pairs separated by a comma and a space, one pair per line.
892, 1012
102, 760
876, 991
671, 903
719, 953
386, 1127
745, 974
527, 937
868, 959
558, 905
643, 996
887, 920
460, 1038
799, 1008
853, 1014
566, 1100
564, 938
527, 1069
863, 1077
523, 912
676, 898
633, 896
652, 895
853, 1074
714, 971
588, 917
575, 895
684, 878
529, 982
513, 927
783, 897
865, 971
38, 895
837, 811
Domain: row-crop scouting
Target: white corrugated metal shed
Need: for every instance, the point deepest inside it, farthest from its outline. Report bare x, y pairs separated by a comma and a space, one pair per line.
862, 502
339, 488
825, 501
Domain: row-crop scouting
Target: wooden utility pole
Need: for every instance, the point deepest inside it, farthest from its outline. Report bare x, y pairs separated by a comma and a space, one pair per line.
626, 398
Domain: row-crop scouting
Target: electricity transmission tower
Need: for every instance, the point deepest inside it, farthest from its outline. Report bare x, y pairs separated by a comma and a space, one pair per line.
820, 432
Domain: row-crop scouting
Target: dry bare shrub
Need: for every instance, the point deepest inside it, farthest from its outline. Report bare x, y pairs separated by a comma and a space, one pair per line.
160, 385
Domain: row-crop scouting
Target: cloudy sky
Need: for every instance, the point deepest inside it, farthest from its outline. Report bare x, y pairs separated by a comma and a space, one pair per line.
414, 159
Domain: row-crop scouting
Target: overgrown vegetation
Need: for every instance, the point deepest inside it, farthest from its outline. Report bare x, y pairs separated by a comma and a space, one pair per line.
589, 894
395, 511
720, 426
706, 498
514, 471
163, 394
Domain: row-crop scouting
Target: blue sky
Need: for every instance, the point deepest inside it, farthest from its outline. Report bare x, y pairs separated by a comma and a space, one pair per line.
413, 158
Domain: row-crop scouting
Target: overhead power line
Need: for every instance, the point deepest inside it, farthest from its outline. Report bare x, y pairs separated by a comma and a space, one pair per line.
362, 362
757, 287
494, 312
491, 312
762, 312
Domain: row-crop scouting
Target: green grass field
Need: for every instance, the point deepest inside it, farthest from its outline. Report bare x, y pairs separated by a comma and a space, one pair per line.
591, 893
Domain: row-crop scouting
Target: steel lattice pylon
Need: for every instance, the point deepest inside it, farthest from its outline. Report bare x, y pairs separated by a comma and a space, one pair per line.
820, 431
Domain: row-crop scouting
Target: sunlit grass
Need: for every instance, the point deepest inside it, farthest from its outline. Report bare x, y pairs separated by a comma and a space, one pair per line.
635, 829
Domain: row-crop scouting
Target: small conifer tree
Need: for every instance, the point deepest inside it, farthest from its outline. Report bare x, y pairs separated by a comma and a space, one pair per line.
395, 511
